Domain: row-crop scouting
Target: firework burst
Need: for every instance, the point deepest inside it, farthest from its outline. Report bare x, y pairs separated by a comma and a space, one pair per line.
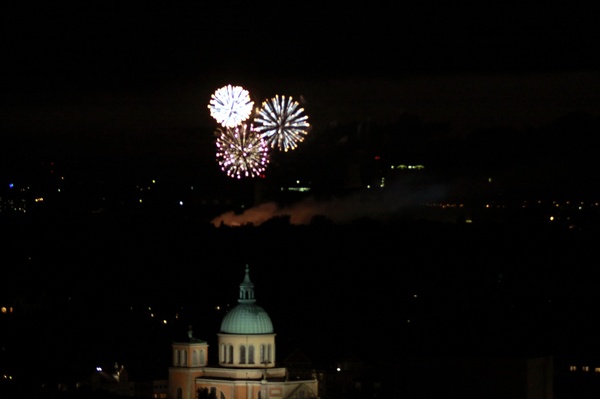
282, 123
241, 152
230, 105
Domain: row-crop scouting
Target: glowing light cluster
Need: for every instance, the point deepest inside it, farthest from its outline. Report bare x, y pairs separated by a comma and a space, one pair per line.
241, 152
242, 148
230, 105
282, 123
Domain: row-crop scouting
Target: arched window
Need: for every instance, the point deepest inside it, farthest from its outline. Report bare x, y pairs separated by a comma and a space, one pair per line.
195, 358
242, 354
230, 353
179, 394
251, 354
176, 357
184, 358
263, 354
202, 358
222, 356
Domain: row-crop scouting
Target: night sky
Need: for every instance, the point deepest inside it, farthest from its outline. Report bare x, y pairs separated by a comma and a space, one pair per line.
123, 90
120, 78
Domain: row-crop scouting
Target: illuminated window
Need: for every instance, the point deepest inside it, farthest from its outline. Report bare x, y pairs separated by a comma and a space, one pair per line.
585, 368
573, 368
597, 370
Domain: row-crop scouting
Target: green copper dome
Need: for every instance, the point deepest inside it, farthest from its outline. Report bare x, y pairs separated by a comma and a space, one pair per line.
247, 317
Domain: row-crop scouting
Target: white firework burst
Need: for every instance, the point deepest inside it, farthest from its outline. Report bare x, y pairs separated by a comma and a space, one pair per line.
282, 123
230, 105
241, 152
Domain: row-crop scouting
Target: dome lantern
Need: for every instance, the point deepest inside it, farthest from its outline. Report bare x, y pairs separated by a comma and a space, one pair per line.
247, 317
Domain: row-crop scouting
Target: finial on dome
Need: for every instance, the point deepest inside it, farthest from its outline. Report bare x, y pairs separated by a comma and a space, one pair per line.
247, 288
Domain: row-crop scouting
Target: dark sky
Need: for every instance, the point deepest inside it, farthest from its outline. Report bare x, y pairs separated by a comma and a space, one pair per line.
126, 77
112, 82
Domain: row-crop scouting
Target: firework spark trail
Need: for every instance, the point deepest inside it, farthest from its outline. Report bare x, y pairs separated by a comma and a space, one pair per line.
282, 123
230, 105
241, 152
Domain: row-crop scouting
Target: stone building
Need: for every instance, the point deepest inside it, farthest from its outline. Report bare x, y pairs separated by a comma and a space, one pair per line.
246, 368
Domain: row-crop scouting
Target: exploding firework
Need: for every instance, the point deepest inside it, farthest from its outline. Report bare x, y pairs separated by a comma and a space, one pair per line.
282, 123
230, 105
241, 152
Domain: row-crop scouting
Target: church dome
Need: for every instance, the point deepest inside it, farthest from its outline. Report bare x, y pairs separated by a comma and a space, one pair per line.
247, 317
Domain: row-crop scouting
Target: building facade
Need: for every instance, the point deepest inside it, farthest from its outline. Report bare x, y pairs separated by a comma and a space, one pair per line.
246, 367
